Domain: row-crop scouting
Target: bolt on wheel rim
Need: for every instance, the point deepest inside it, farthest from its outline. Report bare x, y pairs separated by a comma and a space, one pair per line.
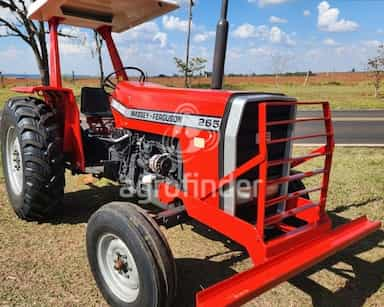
14, 161
118, 268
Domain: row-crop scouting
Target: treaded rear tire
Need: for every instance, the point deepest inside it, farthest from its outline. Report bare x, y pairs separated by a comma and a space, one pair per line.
43, 182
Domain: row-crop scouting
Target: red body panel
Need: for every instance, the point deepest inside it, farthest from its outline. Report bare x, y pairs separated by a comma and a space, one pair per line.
160, 98
186, 101
68, 115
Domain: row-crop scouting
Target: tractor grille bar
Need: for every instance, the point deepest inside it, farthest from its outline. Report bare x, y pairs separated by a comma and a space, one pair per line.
295, 121
295, 159
290, 196
299, 176
272, 220
295, 203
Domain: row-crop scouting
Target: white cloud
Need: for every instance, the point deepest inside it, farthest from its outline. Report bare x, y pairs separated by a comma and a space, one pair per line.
261, 51
162, 38
143, 32
330, 42
148, 32
371, 43
307, 13
235, 53
263, 3
81, 43
329, 21
175, 23
275, 19
247, 30
203, 37
274, 34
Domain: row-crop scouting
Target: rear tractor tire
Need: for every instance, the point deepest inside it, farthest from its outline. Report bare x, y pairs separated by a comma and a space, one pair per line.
129, 257
32, 159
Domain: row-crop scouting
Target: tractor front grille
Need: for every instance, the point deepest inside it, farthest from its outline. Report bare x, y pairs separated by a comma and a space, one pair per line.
248, 138
256, 145
240, 142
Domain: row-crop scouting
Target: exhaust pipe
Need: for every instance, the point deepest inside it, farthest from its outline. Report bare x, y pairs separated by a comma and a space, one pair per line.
220, 48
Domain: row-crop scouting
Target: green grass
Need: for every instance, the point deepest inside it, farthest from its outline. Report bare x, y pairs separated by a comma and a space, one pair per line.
45, 264
5, 94
341, 97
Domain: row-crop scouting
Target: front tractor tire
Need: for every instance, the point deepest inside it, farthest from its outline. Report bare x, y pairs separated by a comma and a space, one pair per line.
129, 257
32, 159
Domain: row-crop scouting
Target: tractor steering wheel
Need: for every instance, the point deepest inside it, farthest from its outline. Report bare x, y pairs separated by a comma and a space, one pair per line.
108, 83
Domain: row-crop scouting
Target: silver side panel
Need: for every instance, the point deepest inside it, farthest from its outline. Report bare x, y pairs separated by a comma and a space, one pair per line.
230, 145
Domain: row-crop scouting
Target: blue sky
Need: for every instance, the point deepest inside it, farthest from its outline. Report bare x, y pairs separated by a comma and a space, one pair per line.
265, 36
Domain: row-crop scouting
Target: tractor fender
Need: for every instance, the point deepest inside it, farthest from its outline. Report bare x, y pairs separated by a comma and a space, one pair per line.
63, 101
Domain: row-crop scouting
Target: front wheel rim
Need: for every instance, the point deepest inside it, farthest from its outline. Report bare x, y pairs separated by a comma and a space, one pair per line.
118, 268
14, 161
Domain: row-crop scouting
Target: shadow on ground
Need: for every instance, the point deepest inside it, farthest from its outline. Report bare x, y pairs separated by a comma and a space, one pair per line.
363, 280
78, 206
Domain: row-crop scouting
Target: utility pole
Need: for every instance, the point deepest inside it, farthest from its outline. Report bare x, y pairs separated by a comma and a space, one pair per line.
186, 77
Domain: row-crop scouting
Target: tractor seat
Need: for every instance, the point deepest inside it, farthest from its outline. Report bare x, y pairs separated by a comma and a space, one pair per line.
95, 102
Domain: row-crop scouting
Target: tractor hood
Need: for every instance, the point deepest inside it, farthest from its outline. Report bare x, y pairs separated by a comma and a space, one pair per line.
155, 97
121, 15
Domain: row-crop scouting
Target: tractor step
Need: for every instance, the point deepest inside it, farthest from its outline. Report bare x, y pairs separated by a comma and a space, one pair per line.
244, 286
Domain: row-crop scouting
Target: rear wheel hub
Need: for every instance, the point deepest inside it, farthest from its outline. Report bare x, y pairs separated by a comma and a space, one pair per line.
14, 161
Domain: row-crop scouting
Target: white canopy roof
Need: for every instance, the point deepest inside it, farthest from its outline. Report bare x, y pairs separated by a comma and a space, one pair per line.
120, 14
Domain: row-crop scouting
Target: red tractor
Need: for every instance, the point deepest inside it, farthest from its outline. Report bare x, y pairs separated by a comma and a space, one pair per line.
220, 157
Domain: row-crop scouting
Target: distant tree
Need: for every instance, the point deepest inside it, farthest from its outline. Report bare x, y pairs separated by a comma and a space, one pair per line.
14, 22
353, 70
196, 65
376, 68
17, 24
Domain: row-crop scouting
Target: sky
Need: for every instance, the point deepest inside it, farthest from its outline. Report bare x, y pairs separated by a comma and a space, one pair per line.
266, 36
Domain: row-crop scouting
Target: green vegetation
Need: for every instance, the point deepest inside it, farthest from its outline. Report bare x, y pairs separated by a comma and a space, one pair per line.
45, 264
5, 94
341, 96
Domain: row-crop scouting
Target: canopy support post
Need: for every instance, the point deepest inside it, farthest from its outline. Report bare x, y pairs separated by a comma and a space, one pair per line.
106, 34
54, 55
